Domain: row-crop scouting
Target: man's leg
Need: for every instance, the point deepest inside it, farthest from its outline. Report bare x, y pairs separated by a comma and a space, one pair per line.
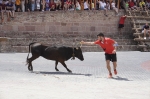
144, 33
149, 33
115, 66
108, 68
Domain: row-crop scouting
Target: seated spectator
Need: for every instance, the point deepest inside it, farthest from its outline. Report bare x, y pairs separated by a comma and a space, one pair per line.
92, 5
65, 5
68, 2
43, 5
78, 7
37, 5
58, 4
114, 7
52, 5
142, 5
108, 6
148, 4
23, 5
132, 6
10, 9
102, 6
27, 4
146, 30
72, 6
47, 5
126, 5
32, 5
86, 5
3, 10
53, 8
97, 4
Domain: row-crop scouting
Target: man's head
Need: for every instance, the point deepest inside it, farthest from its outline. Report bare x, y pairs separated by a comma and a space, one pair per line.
146, 24
100, 36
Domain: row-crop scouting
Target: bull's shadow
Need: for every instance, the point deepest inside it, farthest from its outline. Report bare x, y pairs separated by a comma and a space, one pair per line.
59, 73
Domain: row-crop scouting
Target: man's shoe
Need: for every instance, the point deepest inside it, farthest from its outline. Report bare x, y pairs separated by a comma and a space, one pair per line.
110, 75
115, 72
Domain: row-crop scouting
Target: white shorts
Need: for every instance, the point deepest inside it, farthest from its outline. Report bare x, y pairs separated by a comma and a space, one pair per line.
146, 31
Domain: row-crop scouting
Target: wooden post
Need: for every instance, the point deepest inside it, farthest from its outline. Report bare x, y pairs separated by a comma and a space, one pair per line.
95, 4
118, 5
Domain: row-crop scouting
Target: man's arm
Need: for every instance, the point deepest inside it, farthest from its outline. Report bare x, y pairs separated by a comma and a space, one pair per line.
87, 43
115, 47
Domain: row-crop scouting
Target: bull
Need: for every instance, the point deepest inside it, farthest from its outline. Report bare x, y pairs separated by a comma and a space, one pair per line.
58, 54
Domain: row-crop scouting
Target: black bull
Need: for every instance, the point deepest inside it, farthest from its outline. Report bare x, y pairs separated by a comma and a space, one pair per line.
58, 54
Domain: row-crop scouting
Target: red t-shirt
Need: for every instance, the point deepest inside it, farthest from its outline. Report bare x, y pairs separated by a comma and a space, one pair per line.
131, 4
51, 4
122, 19
107, 45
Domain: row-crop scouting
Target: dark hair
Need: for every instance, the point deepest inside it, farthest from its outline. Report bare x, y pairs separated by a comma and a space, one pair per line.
101, 34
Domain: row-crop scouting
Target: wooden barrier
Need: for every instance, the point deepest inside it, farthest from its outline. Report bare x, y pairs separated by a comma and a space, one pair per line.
142, 39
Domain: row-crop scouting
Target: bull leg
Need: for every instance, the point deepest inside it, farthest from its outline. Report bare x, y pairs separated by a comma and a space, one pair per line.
63, 63
56, 63
30, 67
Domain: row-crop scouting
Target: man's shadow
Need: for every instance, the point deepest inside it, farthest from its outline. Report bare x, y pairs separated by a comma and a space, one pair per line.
59, 73
121, 79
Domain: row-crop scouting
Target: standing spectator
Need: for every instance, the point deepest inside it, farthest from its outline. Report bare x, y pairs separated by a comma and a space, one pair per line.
47, 5
86, 5
18, 5
146, 30
102, 6
109, 46
114, 7
23, 5
3, 10
121, 23
78, 7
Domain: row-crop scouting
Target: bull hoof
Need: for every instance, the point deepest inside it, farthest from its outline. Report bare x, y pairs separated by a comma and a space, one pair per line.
30, 68
56, 69
69, 71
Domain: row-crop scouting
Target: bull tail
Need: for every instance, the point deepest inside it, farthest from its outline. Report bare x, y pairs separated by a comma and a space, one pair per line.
27, 61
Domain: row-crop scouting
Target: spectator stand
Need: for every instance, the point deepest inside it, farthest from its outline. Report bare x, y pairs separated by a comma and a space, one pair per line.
138, 19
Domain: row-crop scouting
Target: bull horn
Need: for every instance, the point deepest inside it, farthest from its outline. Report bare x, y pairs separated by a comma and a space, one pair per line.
79, 44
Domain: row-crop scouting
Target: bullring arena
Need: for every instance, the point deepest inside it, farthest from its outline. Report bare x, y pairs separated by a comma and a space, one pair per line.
88, 79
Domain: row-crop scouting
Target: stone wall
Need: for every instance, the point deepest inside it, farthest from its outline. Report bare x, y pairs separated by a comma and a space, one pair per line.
59, 28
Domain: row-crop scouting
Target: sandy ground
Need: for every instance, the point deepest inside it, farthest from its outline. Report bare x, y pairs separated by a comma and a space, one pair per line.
88, 80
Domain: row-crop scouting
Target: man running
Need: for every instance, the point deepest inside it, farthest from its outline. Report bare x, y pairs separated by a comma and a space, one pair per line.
109, 46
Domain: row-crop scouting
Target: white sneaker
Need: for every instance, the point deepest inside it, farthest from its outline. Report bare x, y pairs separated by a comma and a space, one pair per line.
145, 38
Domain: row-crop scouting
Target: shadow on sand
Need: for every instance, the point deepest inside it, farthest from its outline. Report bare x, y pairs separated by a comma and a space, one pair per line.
121, 79
59, 73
